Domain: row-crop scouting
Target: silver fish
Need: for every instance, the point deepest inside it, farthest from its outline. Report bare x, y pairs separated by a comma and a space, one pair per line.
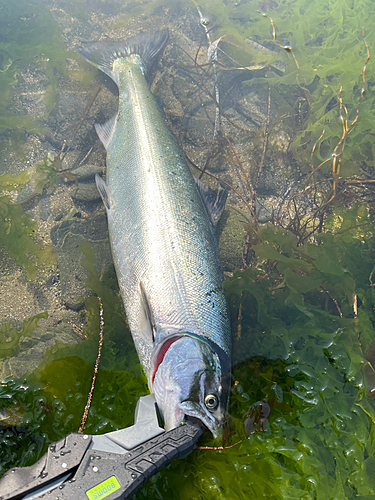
163, 244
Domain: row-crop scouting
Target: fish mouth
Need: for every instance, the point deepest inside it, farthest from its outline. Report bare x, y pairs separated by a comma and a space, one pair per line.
195, 410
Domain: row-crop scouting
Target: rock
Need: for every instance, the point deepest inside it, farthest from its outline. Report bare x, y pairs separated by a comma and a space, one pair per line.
44, 207
85, 192
231, 235
74, 306
31, 350
87, 172
11, 416
66, 238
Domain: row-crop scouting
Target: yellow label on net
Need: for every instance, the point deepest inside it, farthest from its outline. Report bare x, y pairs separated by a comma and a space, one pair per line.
103, 489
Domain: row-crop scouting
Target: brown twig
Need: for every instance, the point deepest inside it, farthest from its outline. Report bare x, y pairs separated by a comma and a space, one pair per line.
352, 227
217, 448
333, 299
370, 278
222, 182
246, 248
243, 172
215, 101
96, 367
85, 111
268, 272
265, 141
86, 156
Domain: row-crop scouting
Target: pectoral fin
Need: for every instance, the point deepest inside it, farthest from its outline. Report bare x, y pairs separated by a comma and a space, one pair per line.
106, 131
103, 191
147, 319
214, 200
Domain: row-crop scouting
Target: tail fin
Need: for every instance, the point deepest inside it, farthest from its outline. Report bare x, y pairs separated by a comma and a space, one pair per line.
103, 54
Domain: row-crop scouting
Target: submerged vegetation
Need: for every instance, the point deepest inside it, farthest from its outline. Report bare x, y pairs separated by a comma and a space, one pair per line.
28, 32
306, 315
17, 230
301, 397
322, 43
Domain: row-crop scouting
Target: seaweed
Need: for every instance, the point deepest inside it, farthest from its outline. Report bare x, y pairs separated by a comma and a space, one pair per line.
300, 344
29, 33
51, 400
17, 231
9, 338
301, 329
322, 46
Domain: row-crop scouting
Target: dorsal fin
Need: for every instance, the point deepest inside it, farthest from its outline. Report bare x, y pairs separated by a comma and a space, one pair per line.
214, 200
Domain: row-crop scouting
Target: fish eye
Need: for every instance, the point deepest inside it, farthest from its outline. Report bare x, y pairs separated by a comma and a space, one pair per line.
211, 401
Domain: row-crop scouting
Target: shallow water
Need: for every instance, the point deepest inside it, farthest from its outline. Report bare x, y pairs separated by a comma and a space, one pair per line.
302, 313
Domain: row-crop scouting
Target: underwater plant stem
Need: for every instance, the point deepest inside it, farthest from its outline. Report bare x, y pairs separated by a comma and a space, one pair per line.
273, 26
239, 322
347, 129
226, 184
216, 448
212, 57
333, 300
370, 278
265, 141
353, 227
85, 111
86, 156
245, 252
311, 162
355, 306
268, 272
96, 367
243, 173
222, 112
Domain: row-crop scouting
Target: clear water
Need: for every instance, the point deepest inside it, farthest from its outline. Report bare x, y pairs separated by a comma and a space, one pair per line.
302, 313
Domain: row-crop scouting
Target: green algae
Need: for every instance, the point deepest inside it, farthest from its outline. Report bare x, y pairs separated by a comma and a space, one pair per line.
292, 351
10, 337
29, 34
17, 230
52, 399
326, 39
295, 353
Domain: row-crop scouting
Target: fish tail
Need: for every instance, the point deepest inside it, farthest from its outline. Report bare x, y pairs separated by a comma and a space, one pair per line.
104, 54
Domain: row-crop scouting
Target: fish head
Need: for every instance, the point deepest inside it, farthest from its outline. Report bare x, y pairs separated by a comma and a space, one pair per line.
188, 383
